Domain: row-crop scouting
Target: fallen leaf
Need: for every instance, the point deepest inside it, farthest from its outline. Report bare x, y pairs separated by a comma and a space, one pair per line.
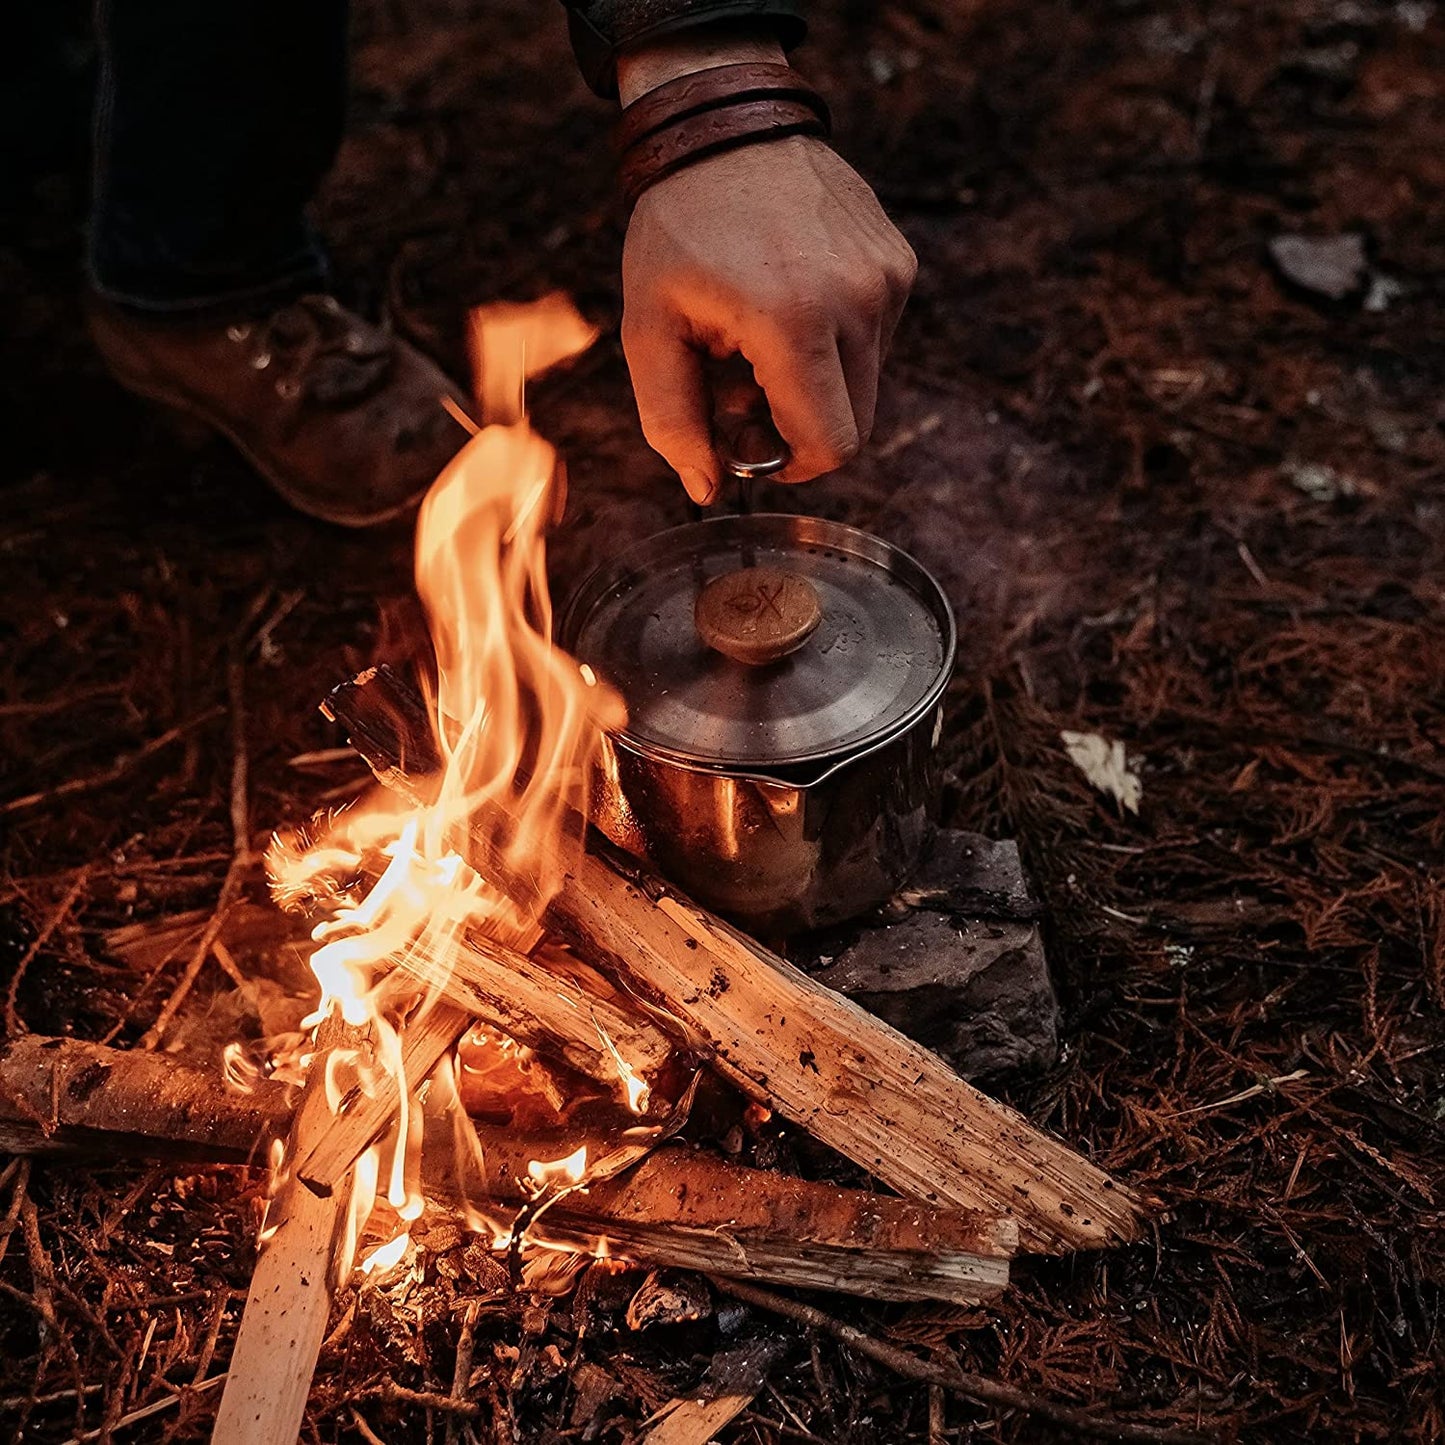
1332, 266
1106, 765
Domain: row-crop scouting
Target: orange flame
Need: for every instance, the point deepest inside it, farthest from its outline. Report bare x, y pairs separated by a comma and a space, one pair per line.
386, 1256
516, 718
517, 725
569, 1171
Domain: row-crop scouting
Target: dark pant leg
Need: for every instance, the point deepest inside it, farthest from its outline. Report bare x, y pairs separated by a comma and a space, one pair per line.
215, 121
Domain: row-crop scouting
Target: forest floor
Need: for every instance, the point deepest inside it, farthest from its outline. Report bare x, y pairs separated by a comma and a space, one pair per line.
1178, 499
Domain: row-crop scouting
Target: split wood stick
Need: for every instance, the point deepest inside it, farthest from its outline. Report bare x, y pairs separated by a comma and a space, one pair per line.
693, 1421
858, 1085
325, 1156
948, 1277
704, 1214
560, 1008
292, 1286
680, 1184
681, 1207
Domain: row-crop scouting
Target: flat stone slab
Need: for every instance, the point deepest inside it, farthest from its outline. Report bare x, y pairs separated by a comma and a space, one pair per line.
956, 962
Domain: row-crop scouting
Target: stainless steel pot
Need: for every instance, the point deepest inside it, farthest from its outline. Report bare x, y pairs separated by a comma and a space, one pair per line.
789, 795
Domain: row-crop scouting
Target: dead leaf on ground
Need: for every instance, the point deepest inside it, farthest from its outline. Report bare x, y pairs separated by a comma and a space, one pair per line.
1106, 765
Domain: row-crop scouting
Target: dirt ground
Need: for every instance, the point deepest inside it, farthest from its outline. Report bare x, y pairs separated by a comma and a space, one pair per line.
1178, 500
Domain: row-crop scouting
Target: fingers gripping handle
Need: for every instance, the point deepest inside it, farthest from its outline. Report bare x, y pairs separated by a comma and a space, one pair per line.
755, 450
744, 437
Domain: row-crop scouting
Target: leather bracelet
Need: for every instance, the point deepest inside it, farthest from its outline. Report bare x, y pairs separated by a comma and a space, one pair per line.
675, 147
711, 89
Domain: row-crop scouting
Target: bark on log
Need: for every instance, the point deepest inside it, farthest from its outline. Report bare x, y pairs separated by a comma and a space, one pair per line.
719, 1218
858, 1085
680, 1207
67, 1096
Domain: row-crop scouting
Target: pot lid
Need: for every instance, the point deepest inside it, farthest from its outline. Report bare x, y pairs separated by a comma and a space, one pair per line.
870, 633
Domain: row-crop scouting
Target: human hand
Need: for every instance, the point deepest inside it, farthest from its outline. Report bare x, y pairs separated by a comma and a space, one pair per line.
778, 251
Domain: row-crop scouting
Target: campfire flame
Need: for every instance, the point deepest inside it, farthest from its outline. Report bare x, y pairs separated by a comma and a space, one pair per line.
517, 724
569, 1171
386, 1256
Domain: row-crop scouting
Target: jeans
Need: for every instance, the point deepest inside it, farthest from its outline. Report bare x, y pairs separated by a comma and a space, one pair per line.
215, 122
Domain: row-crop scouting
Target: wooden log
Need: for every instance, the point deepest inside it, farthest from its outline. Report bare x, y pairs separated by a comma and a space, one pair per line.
705, 1214
858, 1085
292, 1285
681, 1207
67, 1096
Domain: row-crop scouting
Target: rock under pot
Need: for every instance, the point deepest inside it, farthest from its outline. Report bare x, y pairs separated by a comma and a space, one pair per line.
784, 678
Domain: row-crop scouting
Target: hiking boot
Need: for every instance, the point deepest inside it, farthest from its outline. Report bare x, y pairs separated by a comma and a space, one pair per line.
343, 419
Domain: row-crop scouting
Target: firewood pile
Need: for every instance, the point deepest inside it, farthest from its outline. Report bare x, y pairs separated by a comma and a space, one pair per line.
697, 1008
482, 955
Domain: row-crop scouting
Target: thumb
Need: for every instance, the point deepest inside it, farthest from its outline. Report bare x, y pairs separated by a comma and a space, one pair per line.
674, 404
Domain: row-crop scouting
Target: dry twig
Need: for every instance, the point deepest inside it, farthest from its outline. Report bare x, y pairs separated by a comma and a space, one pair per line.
14, 1024
977, 1387
113, 774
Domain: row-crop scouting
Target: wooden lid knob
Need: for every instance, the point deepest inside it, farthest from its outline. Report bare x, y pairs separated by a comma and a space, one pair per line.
757, 615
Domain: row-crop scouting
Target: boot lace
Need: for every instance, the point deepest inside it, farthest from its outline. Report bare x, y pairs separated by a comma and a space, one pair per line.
317, 351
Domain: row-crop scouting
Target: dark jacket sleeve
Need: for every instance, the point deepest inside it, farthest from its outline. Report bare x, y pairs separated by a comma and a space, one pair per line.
602, 28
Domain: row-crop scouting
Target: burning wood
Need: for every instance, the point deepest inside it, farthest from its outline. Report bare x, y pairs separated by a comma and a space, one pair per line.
679, 1207
449, 908
861, 1087
724, 1219
308, 1238
517, 726
559, 1007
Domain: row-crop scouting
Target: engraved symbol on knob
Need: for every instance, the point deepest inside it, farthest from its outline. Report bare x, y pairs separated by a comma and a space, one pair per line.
757, 615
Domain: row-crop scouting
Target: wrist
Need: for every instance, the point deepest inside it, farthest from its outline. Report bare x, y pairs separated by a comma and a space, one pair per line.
702, 48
